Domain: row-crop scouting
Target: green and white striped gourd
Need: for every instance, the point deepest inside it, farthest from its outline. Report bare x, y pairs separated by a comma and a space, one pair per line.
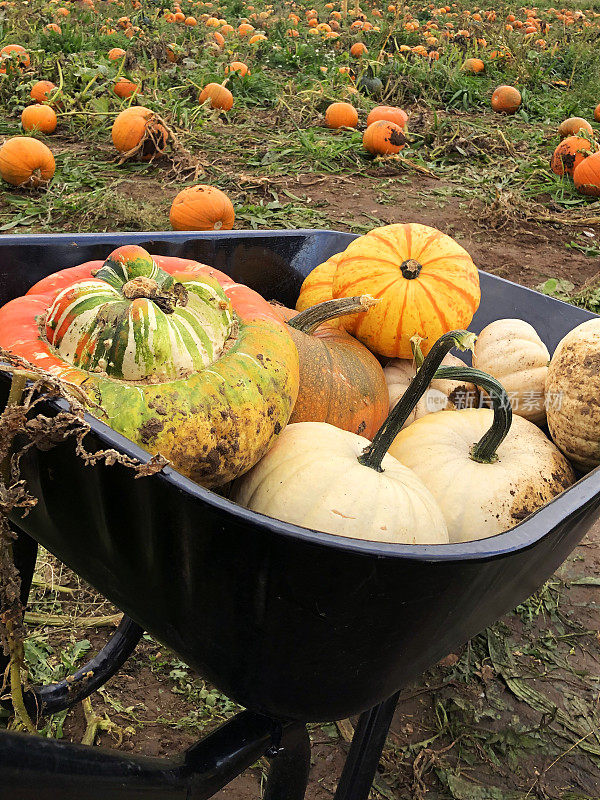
136, 322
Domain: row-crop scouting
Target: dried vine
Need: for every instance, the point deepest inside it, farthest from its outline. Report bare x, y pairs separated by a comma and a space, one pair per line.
23, 426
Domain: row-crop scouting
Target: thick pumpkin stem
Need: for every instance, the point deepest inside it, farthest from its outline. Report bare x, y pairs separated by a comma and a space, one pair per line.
484, 451
310, 319
411, 269
143, 286
372, 456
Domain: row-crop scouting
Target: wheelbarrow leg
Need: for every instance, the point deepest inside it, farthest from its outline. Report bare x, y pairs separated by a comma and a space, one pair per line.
290, 765
365, 751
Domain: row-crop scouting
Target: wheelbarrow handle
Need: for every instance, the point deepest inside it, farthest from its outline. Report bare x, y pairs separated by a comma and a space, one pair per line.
45, 769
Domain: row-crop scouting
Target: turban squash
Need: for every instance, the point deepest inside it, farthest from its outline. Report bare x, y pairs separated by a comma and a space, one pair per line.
181, 359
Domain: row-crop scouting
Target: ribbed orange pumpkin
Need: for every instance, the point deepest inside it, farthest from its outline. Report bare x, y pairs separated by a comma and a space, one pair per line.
341, 382
341, 115
317, 286
41, 91
474, 65
389, 114
569, 154
39, 118
125, 88
202, 208
426, 282
384, 138
506, 100
587, 175
219, 96
572, 127
597, 113
26, 162
134, 124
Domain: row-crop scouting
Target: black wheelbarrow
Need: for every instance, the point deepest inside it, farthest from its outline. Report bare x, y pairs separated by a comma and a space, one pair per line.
295, 625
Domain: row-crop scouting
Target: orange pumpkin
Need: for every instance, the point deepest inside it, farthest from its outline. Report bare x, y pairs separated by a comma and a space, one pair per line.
384, 138
237, 67
15, 55
358, 50
202, 208
341, 381
218, 95
426, 283
135, 124
506, 100
317, 286
341, 115
587, 175
125, 88
597, 113
41, 91
257, 38
115, 53
573, 126
569, 153
474, 65
52, 27
39, 118
389, 114
26, 162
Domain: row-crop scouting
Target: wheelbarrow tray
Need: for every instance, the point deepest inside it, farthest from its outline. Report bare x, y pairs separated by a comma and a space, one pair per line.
289, 622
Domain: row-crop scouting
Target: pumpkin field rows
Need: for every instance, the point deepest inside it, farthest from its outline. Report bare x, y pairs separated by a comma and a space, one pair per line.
481, 122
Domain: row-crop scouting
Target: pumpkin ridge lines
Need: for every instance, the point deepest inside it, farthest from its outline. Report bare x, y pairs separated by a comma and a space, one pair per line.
473, 299
401, 316
433, 237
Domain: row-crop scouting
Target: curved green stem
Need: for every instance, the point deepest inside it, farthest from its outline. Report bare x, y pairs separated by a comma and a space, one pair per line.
310, 319
484, 451
372, 456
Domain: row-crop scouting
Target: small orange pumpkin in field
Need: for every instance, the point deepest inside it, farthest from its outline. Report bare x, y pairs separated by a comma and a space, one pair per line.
426, 284
384, 138
597, 113
219, 96
358, 50
341, 115
202, 208
237, 67
26, 162
506, 100
388, 113
569, 154
115, 53
572, 127
135, 124
15, 55
41, 91
474, 65
125, 88
587, 175
39, 118
52, 27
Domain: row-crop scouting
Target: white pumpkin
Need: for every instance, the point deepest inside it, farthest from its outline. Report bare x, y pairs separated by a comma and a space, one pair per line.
573, 395
441, 394
312, 477
477, 499
511, 351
